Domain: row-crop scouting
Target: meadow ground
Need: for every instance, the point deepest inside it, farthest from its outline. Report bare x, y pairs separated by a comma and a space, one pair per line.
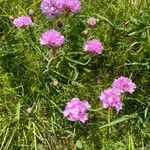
27, 80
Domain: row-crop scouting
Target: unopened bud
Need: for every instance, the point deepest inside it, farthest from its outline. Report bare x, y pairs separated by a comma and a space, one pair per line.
31, 12
85, 32
11, 18
29, 110
55, 82
60, 23
92, 21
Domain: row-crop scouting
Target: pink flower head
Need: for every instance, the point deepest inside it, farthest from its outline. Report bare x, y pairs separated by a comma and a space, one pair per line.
52, 8
76, 110
111, 98
93, 46
22, 21
124, 84
72, 5
92, 21
52, 38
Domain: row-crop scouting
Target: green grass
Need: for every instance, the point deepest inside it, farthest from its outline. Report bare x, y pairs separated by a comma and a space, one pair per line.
26, 79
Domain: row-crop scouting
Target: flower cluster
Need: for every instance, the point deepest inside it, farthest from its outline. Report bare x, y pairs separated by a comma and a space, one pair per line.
52, 38
111, 97
72, 5
124, 84
22, 21
93, 46
52, 8
76, 110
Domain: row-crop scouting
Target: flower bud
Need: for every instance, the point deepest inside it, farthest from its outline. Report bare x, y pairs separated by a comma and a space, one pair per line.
92, 21
11, 18
85, 32
55, 82
31, 12
29, 110
60, 23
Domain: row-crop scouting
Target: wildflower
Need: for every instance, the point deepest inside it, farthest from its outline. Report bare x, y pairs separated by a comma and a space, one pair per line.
76, 110
93, 46
52, 8
124, 84
72, 5
92, 22
52, 38
111, 98
22, 21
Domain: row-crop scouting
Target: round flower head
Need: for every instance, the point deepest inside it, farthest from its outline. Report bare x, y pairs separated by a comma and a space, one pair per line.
92, 21
93, 46
22, 21
124, 84
76, 110
72, 5
52, 38
52, 8
111, 98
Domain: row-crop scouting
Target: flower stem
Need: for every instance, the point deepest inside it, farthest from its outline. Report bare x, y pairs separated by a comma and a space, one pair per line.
109, 115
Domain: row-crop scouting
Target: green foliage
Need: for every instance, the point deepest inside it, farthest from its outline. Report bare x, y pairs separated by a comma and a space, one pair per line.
28, 71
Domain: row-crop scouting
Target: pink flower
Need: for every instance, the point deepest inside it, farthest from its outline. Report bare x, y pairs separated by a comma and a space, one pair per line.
76, 110
124, 84
22, 21
111, 98
52, 8
52, 38
72, 5
92, 21
93, 46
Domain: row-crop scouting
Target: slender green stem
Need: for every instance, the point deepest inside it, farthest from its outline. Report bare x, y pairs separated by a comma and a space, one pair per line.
109, 115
